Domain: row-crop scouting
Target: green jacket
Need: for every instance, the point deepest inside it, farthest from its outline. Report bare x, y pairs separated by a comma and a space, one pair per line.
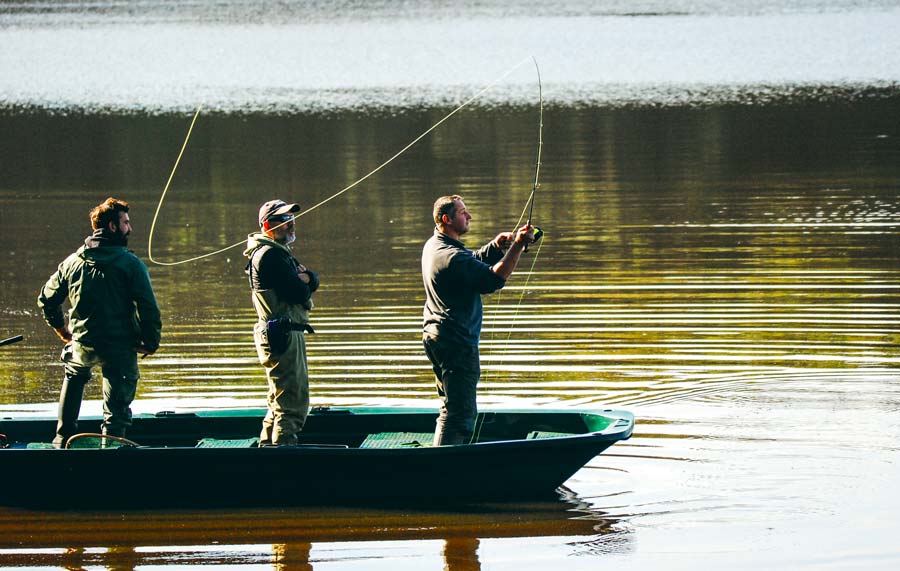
111, 299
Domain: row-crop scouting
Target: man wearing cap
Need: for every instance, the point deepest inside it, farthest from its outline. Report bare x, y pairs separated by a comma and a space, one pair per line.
281, 290
113, 316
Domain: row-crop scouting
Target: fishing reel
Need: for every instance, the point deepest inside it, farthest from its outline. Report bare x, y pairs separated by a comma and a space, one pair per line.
536, 233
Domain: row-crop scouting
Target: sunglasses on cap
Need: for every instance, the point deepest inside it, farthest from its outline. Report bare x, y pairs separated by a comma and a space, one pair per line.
280, 218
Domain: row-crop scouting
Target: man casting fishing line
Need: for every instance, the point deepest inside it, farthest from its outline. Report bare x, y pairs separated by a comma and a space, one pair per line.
454, 279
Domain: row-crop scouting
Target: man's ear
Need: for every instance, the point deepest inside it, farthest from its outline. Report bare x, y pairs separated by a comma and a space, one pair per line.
266, 226
445, 219
112, 227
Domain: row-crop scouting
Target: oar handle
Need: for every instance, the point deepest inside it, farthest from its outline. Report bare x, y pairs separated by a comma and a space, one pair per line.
11, 340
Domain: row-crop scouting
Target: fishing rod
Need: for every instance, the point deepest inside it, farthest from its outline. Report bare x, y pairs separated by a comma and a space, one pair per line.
11, 340
537, 161
529, 208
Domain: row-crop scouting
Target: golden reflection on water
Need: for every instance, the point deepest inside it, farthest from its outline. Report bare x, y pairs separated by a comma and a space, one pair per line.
284, 539
625, 347
649, 276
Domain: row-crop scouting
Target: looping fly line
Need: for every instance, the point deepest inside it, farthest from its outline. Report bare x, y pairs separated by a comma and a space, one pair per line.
529, 207
330, 198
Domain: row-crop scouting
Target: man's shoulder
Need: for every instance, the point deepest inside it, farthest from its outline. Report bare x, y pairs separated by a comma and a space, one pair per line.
270, 258
443, 250
73, 257
73, 260
443, 242
129, 257
269, 252
127, 261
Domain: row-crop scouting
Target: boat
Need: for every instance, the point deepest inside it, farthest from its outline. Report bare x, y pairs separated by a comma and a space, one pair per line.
371, 456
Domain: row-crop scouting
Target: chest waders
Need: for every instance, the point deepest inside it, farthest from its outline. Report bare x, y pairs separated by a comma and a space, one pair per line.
286, 370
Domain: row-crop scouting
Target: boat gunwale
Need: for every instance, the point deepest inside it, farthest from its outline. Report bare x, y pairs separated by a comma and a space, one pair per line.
620, 427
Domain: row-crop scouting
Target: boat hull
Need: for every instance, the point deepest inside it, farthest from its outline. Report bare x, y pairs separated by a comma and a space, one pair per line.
332, 470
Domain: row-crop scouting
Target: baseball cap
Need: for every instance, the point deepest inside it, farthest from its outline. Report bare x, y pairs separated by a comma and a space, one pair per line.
276, 208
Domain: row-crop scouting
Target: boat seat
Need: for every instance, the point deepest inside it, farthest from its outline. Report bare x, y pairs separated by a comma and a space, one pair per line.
398, 440
228, 443
538, 434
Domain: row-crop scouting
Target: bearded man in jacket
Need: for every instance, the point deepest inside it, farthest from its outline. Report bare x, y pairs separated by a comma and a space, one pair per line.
281, 291
113, 316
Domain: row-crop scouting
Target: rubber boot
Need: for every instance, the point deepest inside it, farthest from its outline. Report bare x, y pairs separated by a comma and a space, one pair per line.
449, 437
70, 396
438, 434
265, 436
111, 431
450, 432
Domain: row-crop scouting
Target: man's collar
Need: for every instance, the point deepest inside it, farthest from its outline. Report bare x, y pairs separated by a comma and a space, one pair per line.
446, 237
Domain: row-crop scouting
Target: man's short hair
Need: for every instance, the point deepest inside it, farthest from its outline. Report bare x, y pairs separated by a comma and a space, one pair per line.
445, 205
106, 212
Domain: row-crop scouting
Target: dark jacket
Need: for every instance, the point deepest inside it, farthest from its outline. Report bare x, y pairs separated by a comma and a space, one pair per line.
110, 296
273, 267
455, 278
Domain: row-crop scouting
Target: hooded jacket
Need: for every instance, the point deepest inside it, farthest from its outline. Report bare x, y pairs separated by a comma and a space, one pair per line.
110, 296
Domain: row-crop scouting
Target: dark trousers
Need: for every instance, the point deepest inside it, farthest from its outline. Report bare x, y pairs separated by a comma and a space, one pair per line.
120, 377
456, 370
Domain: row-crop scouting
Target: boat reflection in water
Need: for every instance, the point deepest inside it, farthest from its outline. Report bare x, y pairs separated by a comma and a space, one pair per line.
299, 539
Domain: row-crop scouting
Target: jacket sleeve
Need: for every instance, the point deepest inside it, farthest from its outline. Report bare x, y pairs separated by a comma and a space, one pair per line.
489, 254
51, 298
477, 274
147, 309
313, 280
277, 272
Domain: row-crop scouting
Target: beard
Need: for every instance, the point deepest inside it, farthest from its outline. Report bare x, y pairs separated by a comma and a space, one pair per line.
120, 237
289, 238
115, 237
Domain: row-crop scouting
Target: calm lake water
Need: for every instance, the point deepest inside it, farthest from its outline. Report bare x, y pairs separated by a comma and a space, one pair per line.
719, 193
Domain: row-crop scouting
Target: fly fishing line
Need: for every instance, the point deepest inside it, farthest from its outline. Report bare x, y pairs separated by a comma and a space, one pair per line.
241, 243
529, 208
